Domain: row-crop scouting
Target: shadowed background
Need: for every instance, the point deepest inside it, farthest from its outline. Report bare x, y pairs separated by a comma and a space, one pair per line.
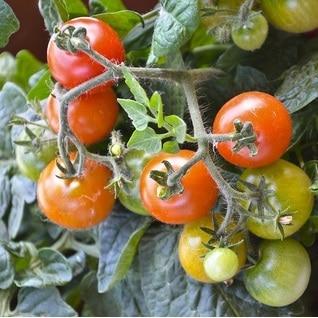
32, 34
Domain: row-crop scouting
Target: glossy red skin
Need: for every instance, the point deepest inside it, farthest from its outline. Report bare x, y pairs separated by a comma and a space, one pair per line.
271, 123
72, 69
78, 203
91, 116
198, 198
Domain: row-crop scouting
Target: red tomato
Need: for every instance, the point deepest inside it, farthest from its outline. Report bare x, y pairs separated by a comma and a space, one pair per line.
91, 116
197, 199
77, 203
271, 123
72, 69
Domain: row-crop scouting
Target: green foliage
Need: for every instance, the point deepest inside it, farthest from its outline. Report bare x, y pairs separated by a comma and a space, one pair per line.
122, 21
9, 23
100, 6
176, 23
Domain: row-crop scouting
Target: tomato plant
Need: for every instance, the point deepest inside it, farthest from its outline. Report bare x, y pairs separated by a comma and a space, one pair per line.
32, 161
78, 203
181, 208
282, 264
91, 116
129, 195
252, 34
72, 69
191, 248
294, 16
290, 195
261, 110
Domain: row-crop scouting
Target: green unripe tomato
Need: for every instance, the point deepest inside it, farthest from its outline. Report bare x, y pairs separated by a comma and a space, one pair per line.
129, 197
290, 195
252, 34
295, 16
221, 264
31, 162
281, 275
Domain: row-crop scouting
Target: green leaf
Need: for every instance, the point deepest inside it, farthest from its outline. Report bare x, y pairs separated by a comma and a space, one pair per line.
41, 302
179, 127
52, 269
177, 21
146, 140
70, 9
42, 87
26, 65
7, 67
300, 85
135, 88
12, 101
50, 14
137, 112
23, 191
6, 269
119, 237
157, 105
122, 21
171, 146
100, 6
9, 23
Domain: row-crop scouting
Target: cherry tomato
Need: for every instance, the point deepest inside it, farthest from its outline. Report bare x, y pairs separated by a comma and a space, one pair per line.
91, 116
77, 203
281, 274
252, 34
32, 161
262, 110
295, 16
192, 251
221, 264
291, 196
129, 196
72, 69
188, 206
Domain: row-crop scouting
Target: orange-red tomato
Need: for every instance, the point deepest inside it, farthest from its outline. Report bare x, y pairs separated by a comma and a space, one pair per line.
77, 203
271, 123
91, 117
197, 199
72, 69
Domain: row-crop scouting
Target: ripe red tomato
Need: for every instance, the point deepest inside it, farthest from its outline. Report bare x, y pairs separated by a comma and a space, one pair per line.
197, 199
77, 203
271, 123
72, 69
91, 116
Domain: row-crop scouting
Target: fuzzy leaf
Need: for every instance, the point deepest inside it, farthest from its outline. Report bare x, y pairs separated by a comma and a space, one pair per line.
6, 269
9, 23
119, 238
179, 127
146, 140
42, 88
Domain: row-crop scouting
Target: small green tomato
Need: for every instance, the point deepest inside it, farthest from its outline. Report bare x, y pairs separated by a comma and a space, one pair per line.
221, 264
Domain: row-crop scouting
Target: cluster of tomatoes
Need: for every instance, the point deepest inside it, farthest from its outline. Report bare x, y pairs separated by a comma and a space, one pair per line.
249, 31
85, 201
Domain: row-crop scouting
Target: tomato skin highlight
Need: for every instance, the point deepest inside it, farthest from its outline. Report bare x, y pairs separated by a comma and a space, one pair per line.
191, 250
77, 203
295, 16
91, 117
72, 69
281, 275
182, 208
271, 123
292, 195
252, 34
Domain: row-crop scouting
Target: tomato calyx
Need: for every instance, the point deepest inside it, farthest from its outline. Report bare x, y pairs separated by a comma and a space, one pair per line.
71, 39
165, 191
